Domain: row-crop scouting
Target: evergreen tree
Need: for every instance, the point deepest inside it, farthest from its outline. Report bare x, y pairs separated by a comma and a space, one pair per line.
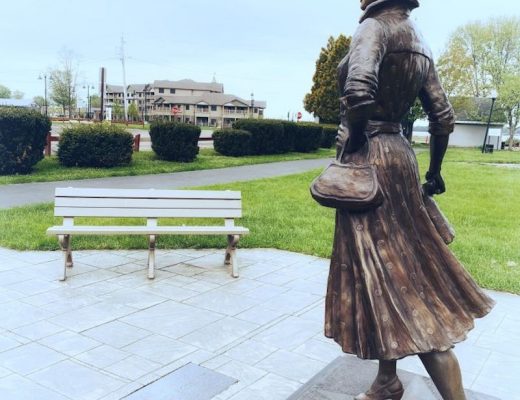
323, 99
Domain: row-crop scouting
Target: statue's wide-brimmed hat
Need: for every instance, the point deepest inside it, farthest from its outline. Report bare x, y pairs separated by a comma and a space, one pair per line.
382, 3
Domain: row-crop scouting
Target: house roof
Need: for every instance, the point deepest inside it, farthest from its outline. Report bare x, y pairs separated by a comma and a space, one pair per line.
479, 123
138, 87
218, 99
114, 88
189, 84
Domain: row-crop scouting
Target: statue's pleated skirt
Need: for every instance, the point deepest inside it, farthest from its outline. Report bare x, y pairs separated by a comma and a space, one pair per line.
395, 288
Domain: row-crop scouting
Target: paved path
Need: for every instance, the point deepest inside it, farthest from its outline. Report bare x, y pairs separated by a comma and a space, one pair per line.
108, 330
30, 193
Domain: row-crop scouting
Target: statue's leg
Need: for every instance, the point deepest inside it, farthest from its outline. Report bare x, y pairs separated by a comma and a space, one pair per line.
445, 372
386, 385
387, 372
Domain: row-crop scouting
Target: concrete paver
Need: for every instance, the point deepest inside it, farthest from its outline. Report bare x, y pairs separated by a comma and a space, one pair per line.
108, 330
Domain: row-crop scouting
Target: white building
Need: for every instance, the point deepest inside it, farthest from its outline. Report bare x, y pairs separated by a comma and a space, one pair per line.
199, 103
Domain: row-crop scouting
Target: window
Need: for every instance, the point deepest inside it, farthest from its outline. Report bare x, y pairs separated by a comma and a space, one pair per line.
172, 91
161, 90
213, 108
187, 107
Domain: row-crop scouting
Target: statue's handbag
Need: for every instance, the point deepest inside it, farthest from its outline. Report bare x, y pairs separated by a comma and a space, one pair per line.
351, 186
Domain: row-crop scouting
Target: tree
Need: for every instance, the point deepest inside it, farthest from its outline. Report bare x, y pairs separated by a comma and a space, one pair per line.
95, 100
17, 94
415, 112
323, 99
5, 92
39, 101
479, 55
133, 112
63, 82
509, 95
117, 111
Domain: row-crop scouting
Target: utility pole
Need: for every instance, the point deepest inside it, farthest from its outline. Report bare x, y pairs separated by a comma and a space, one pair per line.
124, 78
102, 93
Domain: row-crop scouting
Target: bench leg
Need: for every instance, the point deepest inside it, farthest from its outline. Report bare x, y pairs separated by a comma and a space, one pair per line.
67, 254
151, 257
231, 254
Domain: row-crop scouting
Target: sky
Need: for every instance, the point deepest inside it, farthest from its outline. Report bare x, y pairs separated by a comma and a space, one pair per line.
267, 47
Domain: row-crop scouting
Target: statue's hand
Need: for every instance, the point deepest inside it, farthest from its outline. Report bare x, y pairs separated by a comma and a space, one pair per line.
434, 184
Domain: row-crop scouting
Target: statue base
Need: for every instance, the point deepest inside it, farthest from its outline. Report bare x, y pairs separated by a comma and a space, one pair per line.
348, 376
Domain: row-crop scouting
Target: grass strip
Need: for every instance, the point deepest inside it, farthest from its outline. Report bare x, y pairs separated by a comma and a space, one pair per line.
480, 202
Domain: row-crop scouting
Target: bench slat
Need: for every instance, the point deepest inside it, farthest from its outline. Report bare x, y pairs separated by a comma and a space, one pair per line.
146, 213
147, 203
148, 193
147, 230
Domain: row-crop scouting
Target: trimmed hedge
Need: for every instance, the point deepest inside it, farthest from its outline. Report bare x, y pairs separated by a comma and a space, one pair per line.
174, 141
304, 137
267, 136
328, 138
23, 134
96, 145
232, 142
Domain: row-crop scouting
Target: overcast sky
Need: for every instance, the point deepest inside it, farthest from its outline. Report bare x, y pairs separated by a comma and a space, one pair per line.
268, 47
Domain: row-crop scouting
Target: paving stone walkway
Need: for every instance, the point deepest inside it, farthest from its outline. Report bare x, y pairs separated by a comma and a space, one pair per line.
108, 330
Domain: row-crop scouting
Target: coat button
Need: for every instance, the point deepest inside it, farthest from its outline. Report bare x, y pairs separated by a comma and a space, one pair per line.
344, 267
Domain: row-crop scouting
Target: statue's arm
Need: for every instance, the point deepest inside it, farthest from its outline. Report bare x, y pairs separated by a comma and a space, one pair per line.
359, 84
442, 121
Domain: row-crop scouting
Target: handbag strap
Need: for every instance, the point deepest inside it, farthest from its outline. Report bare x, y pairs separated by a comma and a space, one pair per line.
343, 148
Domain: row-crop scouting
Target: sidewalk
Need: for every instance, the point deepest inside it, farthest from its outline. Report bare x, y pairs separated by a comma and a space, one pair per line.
30, 193
108, 330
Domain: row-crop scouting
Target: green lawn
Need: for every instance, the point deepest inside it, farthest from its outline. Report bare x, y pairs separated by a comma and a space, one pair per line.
481, 202
145, 163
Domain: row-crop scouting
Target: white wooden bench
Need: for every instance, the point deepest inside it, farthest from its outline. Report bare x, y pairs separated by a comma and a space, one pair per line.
152, 205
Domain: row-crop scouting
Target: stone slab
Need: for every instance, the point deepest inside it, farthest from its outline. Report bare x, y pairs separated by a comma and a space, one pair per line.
190, 382
348, 376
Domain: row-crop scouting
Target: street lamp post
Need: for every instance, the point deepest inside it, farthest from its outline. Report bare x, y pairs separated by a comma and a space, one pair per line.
493, 99
145, 103
252, 104
45, 103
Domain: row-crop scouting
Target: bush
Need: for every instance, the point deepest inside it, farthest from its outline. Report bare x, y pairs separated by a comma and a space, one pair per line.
173, 141
328, 138
305, 137
97, 145
267, 136
232, 142
23, 134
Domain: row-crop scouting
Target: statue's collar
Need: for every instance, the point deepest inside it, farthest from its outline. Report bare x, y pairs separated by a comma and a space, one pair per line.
379, 4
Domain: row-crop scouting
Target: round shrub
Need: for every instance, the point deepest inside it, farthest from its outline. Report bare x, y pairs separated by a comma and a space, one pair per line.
96, 145
173, 141
328, 138
306, 137
267, 136
232, 142
23, 135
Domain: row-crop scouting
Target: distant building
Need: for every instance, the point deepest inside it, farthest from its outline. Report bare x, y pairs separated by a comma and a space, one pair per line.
199, 103
465, 134
17, 103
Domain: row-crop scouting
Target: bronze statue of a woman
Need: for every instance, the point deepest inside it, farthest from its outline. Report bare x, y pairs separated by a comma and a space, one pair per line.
395, 289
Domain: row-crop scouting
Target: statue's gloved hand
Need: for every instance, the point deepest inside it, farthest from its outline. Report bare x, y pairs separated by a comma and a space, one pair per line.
355, 142
434, 184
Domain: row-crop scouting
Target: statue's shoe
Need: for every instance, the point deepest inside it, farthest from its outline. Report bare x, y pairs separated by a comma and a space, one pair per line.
393, 390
